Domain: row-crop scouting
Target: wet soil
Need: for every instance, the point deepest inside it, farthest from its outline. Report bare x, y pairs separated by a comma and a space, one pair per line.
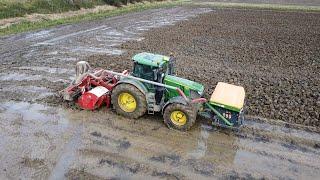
41, 138
50, 142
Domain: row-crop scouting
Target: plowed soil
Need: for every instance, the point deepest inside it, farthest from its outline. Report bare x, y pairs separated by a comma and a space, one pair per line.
274, 55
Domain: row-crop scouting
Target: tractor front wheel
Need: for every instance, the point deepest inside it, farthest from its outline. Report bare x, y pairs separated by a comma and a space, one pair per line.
129, 101
179, 116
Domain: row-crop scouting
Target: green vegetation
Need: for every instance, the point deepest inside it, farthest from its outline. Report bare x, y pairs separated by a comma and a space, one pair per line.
17, 8
27, 26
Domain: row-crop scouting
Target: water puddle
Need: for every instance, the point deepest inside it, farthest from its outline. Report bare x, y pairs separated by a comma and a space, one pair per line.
18, 77
32, 112
48, 69
86, 50
31, 93
282, 130
28, 77
268, 160
69, 59
64, 37
201, 149
103, 39
52, 53
68, 156
31, 138
39, 35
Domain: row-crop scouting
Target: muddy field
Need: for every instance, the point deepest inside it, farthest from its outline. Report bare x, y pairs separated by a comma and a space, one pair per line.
274, 55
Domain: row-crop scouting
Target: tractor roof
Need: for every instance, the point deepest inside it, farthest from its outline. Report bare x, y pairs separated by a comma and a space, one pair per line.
154, 60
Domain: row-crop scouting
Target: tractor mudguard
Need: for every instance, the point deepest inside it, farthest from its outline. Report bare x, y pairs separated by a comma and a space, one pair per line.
135, 83
177, 99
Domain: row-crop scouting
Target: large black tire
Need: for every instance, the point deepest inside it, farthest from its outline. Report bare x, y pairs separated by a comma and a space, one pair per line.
141, 103
189, 112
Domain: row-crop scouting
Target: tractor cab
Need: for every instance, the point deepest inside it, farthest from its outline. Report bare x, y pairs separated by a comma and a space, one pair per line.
155, 67
152, 67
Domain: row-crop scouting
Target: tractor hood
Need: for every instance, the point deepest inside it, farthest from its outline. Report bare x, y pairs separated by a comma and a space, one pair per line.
184, 83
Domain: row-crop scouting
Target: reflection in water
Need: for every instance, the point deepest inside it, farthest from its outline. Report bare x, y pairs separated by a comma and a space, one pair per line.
201, 149
221, 148
68, 155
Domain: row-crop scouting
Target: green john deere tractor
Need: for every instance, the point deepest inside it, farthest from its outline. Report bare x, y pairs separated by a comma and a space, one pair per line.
153, 87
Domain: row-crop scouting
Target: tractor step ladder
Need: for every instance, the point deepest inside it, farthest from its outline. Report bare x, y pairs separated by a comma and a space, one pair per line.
151, 102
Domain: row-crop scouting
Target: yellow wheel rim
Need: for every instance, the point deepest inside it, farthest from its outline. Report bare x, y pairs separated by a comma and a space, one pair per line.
127, 102
178, 118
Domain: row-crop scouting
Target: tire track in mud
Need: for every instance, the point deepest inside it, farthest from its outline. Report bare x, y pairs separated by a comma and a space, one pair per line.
131, 161
146, 148
289, 135
222, 150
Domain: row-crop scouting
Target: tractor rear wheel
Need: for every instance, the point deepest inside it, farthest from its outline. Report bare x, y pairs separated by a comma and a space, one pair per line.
129, 101
179, 116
